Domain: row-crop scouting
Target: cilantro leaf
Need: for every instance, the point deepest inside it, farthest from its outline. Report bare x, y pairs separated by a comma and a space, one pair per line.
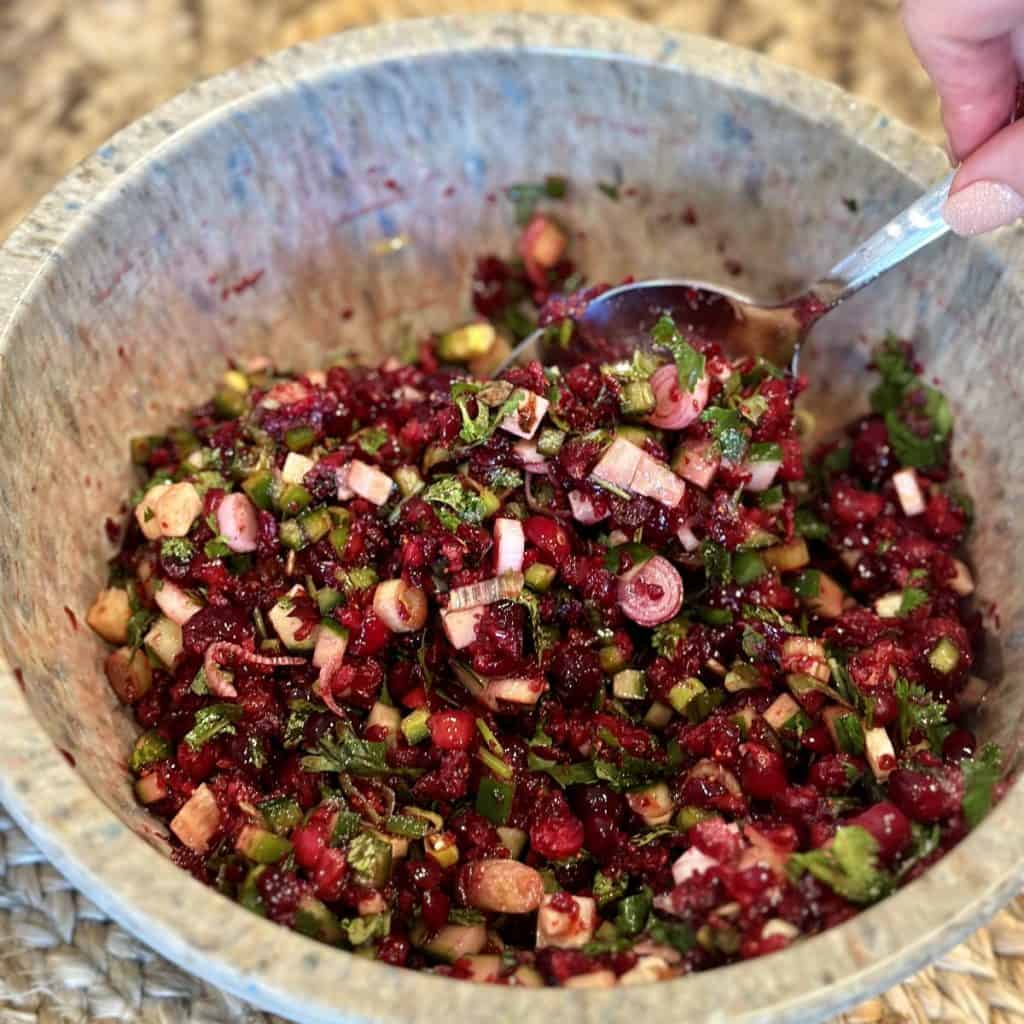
629, 773
213, 720
689, 362
981, 773
300, 712
913, 598
678, 935
666, 638
349, 755
505, 478
849, 866
564, 774
728, 431
919, 711
717, 562
910, 448
372, 439
463, 501
924, 842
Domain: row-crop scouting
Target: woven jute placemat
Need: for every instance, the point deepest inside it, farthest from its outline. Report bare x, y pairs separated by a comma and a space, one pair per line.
70, 75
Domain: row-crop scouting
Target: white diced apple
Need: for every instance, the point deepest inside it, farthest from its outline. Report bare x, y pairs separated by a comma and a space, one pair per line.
880, 753
806, 656
288, 626
177, 508
908, 490
888, 605
109, 615
129, 673
762, 474
524, 421
177, 604
198, 820
566, 930
164, 641
460, 626
331, 642
387, 718
782, 709
687, 538
369, 482
618, 464
646, 970
145, 511
296, 467
653, 479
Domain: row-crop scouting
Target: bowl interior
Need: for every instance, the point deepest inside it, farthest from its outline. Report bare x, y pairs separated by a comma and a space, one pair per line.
344, 210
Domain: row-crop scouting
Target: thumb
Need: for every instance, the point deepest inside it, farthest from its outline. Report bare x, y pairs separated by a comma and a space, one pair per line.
988, 190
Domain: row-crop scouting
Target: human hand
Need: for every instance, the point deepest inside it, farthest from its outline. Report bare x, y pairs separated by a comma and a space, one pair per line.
974, 52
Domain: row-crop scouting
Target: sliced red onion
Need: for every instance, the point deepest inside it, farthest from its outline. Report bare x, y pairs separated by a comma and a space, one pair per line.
618, 464
697, 462
693, 862
584, 510
674, 407
509, 545
653, 479
324, 682
460, 626
222, 651
687, 538
908, 490
369, 482
532, 460
524, 421
401, 607
506, 587
762, 474
177, 604
651, 593
237, 523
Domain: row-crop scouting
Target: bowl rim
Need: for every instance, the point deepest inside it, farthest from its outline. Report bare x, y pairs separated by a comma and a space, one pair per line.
296, 977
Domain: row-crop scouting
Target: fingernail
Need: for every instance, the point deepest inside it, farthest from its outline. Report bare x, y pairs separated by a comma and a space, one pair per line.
982, 206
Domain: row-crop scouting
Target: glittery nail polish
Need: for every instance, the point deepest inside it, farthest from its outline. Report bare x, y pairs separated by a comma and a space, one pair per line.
982, 206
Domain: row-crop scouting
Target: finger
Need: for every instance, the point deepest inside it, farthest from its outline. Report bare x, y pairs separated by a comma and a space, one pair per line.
969, 54
988, 191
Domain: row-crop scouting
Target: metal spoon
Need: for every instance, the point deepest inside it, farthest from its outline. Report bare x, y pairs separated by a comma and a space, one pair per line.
620, 320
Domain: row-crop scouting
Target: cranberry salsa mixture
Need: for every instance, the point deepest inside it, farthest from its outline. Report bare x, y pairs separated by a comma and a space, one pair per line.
581, 676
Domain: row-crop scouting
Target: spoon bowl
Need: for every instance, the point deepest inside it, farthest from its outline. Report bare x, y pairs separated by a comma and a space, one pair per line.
619, 321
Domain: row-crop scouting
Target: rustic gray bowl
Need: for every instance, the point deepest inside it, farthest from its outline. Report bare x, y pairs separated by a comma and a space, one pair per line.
250, 213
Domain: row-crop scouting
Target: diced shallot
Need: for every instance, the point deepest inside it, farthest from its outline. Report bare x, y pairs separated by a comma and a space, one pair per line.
653, 479
524, 690
908, 490
503, 886
880, 753
524, 421
177, 604
369, 482
618, 464
460, 626
295, 468
651, 593
198, 820
697, 462
506, 587
237, 523
567, 929
687, 538
532, 460
509, 545
583, 509
401, 607
693, 862
676, 408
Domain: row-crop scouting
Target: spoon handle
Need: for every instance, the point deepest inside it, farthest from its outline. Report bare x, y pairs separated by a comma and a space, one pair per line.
918, 225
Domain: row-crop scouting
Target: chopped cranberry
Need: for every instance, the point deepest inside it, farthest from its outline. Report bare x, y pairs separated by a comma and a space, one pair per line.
763, 771
452, 730
557, 838
927, 796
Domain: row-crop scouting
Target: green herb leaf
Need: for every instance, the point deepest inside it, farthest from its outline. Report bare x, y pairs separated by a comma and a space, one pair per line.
213, 720
808, 584
918, 710
849, 866
633, 913
925, 841
981, 773
638, 554
809, 526
608, 888
177, 549
564, 774
679, 936
462, 501
689, 362
667, 637
350, 755
372, 439
630, 773
361, 930
717, 562
913, 598
728, 432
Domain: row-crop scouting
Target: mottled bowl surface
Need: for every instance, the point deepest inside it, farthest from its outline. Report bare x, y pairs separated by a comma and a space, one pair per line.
245, 215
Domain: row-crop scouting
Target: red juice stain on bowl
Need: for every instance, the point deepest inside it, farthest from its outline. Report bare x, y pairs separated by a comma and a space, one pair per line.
68, 756
71, 617
20, 677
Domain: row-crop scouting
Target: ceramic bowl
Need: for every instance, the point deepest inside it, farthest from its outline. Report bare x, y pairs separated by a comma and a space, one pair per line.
257, 212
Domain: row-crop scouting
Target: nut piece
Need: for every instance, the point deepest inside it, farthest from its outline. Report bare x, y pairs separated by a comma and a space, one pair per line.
109, 615
503, 886
145, 511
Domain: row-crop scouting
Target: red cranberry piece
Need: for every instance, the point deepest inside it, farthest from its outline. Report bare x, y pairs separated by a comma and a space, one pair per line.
197, 764
557, 838
717, 839
423, 874
799, 804
548, 535
213, 623
960, 743
889, 826
309, 841
887, 707
870, 455
835, 773
329, 875
436, 905
763, 772
852, 506
926, 796
452, 730
394, 950
576, 675
280, 891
